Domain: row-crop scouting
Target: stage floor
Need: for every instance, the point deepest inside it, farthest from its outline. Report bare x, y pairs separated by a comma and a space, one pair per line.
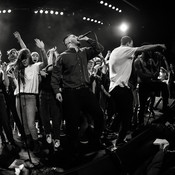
58, 161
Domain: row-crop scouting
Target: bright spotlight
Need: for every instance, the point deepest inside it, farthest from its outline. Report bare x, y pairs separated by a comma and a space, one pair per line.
46, 12
4, 11
113, 7
101, 2
110, 6
84, 18
123, 27
51, 12
56, 13
41, 11
9, 11
106, 4
36, 11
88, 19
61, 13
120, 11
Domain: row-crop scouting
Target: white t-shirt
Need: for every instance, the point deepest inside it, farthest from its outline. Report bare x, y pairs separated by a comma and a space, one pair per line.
120, 66
31, 85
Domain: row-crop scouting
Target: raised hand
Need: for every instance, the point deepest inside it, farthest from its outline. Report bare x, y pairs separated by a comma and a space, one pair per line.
39, 43
17, 35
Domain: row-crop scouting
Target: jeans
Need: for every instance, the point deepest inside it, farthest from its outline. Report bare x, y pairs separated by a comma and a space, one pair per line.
26, 108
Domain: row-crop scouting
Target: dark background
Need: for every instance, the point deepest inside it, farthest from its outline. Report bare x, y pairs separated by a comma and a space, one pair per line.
150, 21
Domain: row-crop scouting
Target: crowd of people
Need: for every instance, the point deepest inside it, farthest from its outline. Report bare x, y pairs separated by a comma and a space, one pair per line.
82, 89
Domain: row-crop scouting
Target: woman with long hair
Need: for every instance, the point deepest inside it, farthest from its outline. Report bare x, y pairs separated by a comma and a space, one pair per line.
27, 89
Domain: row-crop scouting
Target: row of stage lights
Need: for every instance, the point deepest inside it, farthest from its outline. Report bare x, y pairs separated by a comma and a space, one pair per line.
110, 6
5, 11
41, 11
92, 20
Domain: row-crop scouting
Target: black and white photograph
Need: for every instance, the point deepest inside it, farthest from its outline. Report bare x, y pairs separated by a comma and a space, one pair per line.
87, 87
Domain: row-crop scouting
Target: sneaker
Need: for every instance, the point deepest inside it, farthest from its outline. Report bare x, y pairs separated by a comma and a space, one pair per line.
84, 140
49, 138
56, 143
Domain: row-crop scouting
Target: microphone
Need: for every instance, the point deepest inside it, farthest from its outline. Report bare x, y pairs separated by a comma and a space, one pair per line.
87, 33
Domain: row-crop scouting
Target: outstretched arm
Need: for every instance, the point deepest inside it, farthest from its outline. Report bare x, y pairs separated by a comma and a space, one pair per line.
18, 37
150, 47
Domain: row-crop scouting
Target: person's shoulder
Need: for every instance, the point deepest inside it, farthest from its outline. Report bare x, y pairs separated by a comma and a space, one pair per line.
64, 53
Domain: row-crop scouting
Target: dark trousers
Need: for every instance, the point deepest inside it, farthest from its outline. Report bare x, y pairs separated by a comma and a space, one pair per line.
123, 99
11, 108
4, 119
50, 109
75, 101
145, 90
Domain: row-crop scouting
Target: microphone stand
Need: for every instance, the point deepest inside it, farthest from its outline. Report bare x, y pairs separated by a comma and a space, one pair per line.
22, 122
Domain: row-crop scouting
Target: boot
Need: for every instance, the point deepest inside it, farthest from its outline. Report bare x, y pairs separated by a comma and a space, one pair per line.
36, 146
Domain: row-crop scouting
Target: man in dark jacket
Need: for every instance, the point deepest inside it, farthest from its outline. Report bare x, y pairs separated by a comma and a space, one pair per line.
71, 75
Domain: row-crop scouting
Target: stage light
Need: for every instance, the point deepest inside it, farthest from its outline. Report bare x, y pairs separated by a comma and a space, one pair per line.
109, 5
61, 13
4, 11
56, 13
9, 11
92, 20
120, 11
41, 11
46, 12
36, 11
0, 11
51, 12
123, 27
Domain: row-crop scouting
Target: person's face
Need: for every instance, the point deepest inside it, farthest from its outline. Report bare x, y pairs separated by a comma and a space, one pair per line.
73, 40
12, 56
25, 61
35, 57
90, 65
131, 43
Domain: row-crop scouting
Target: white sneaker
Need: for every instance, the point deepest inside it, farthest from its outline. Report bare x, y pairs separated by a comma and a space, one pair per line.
56, 143
49, 138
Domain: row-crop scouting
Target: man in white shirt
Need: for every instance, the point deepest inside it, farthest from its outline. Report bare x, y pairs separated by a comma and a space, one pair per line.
120, 68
